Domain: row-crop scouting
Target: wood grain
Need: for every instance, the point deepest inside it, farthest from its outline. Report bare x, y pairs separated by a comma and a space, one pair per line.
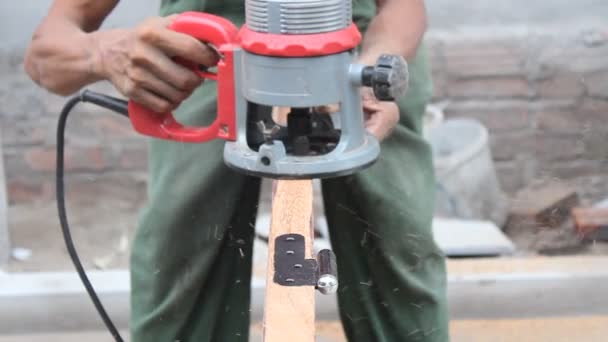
289, 313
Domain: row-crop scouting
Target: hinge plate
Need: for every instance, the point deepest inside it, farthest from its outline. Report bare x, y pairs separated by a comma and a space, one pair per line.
291, 268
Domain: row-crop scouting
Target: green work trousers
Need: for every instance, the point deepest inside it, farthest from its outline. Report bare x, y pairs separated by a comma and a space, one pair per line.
192, 255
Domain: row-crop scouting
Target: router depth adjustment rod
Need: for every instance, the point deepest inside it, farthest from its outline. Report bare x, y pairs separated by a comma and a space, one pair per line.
388, 79
297, 54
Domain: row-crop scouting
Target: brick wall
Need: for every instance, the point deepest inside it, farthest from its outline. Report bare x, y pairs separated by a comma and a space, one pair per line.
544, 97
101, 149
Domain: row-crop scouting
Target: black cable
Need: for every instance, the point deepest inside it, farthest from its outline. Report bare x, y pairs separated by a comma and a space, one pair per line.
120, 107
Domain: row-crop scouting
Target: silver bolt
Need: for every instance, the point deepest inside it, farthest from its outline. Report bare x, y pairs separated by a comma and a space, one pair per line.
327, 284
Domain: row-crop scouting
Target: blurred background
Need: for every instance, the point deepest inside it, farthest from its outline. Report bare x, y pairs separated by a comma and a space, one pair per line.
517, 125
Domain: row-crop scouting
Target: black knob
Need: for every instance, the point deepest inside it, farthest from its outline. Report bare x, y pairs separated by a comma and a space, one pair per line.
388, 78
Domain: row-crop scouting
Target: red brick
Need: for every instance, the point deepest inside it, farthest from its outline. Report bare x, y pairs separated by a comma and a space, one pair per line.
591, 223
574, 57
134, 158
564, 85
129, 187
22, 193
26, 132
594, 142
597, 84
506, 87
497, 116
550, 147
439, 86
559, 120
14, 165
542, 147
470, 58
28, 191
511, 175
571, 169
594, 112
43, 158
435, 49
52, 104
76, 159
508, 146
114, 126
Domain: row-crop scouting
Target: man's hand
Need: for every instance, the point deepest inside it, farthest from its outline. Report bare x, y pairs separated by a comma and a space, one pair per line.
68, 52
397, 29
138, 62
381, 117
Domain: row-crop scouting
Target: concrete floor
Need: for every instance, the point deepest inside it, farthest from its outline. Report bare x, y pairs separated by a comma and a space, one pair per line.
562, 329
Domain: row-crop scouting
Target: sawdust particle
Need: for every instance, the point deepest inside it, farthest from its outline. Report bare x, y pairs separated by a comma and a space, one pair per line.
413, 332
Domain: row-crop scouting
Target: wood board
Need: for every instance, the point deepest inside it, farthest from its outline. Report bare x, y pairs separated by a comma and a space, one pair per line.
289, 311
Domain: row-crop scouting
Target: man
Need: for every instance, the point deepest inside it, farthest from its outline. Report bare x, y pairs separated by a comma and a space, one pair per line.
191, 258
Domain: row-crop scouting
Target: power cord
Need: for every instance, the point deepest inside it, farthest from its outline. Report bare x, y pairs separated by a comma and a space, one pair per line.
120, 107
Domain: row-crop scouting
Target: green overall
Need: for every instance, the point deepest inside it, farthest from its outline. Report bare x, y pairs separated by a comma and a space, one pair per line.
192, 254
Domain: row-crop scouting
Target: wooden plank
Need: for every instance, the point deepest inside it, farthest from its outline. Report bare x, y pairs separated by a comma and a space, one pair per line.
545, 205
591, 223
290, 310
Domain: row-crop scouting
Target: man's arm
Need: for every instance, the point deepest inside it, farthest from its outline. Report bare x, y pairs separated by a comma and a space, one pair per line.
67, 52
60, 56
397, 29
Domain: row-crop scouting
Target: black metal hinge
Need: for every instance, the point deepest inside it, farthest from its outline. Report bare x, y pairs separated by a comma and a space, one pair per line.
291, 268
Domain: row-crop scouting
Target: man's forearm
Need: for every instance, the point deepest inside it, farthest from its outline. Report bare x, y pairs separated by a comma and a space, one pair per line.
397, 29
60, 57
61, 66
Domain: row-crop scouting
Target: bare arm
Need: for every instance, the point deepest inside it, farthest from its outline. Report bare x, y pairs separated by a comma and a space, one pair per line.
397, 29
68, 52
60, 57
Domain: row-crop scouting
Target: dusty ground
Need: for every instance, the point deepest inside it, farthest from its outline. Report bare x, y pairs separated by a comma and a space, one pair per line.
103, 214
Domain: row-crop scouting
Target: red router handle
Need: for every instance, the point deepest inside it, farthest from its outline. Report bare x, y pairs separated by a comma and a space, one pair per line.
222, 34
